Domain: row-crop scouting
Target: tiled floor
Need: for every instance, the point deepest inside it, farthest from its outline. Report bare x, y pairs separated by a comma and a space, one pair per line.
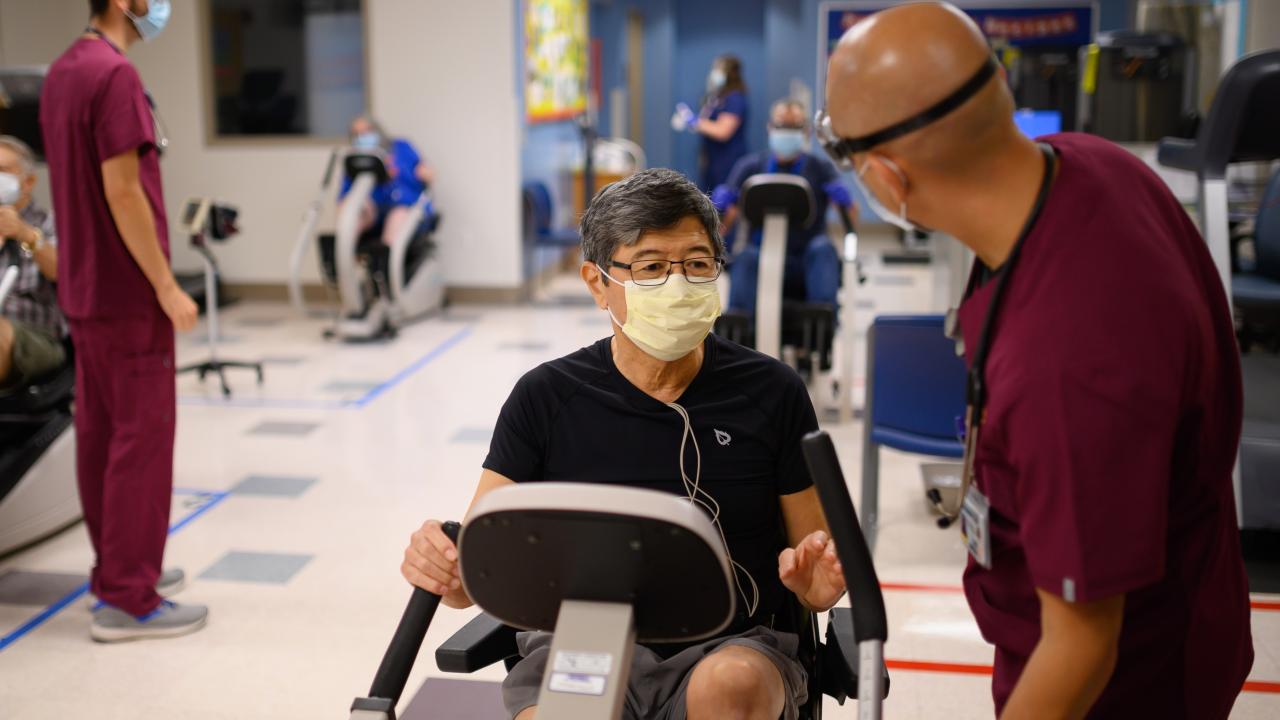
295, 505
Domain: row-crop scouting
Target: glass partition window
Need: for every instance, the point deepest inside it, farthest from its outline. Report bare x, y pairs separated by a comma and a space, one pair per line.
284, 67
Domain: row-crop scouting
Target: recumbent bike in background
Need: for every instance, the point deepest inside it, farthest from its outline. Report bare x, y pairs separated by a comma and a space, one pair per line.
785, 326
38, 495
378, 287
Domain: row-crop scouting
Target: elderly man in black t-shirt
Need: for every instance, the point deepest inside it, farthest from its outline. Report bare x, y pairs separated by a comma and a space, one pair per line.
623, 410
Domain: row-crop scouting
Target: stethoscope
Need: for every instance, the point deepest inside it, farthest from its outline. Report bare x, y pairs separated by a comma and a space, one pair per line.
976, 384
157, 122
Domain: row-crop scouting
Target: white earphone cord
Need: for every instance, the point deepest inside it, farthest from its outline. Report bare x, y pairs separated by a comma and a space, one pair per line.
712, 507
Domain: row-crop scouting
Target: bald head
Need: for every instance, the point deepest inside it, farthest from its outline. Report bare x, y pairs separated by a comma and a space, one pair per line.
898, 63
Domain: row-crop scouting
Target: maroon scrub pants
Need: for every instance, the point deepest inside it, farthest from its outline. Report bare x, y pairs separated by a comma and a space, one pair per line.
125, 407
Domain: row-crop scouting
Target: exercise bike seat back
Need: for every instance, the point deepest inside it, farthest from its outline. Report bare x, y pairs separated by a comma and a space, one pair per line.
527, 548
774, 202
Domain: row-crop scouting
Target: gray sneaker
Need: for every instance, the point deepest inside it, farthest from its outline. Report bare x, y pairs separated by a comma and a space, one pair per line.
169, 619
170, 583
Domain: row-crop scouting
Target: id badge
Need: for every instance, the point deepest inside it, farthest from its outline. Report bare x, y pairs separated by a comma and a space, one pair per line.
975, 526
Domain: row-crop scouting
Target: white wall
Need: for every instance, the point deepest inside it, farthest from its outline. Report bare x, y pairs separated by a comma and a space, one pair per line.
1263, 28
34, 32
442, 74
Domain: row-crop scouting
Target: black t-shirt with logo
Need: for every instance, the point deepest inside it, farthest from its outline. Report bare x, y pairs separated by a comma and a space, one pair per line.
577, 419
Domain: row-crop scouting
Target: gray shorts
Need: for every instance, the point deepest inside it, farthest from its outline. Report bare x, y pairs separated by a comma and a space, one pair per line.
36, 353
656, 689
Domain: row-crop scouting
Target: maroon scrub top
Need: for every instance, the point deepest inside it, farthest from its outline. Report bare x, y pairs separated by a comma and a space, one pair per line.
1113, 417
93, 108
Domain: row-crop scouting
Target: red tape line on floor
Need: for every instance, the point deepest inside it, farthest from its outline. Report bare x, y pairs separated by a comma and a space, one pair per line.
1258, 686
917, 587
939, 667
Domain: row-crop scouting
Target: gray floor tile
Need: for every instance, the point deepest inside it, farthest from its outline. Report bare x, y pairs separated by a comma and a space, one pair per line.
22, 587
272, 568
350, 386
459, 317
525, 346
453, 699
275, 427
203, 339
273, 485
472, 435
894, 280
260, 322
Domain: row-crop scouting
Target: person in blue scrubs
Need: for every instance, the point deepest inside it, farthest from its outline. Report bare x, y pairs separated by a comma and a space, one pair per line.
410, 175
721, 122
812, 271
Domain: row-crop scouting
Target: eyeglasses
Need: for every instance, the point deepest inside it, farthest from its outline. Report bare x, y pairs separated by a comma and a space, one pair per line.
842, 150
656, 272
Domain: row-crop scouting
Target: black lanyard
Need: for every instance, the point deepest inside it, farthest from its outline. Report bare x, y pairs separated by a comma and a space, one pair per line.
91, 30
976, 390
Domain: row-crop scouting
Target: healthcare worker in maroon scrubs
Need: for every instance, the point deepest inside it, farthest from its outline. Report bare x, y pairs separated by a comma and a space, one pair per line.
1104, 388
122, 304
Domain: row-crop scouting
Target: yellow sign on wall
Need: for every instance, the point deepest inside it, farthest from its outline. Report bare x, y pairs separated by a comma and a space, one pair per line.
556, 58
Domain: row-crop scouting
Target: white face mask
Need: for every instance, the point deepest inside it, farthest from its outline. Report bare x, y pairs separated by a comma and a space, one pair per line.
715, 80
10, 189
670, 320
899, 218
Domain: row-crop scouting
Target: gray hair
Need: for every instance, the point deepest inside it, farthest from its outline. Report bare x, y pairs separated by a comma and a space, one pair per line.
790, 104
373, 123
653, 199
22, 150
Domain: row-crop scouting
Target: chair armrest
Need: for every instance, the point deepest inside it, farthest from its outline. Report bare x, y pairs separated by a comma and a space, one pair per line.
840, 658
1178, 153
479, 644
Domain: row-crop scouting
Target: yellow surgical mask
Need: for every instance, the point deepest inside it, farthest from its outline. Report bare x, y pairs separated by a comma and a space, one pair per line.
669, 320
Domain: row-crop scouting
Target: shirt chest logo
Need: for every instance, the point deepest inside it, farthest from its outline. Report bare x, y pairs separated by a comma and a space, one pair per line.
723, 437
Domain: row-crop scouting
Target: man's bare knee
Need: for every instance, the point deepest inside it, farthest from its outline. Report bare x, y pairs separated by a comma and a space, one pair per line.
735, 682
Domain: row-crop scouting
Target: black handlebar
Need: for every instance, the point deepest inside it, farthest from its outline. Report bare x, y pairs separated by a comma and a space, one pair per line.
869, 620
393, 673
845, 219
328, 169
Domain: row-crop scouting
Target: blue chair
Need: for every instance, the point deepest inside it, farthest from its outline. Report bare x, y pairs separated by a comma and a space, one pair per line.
538, 215
915, 393
1256, 293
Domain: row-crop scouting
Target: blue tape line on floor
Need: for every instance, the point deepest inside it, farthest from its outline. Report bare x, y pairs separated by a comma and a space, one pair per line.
213, 498
373, 394
279, 404
408, 372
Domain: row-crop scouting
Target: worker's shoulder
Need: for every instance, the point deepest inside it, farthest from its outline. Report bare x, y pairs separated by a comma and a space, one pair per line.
92, 60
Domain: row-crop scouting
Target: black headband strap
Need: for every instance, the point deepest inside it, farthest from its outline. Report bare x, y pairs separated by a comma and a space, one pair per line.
849, 146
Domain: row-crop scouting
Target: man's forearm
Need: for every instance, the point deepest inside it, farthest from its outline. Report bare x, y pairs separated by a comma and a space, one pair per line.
1061, 680
46, 257
132, 213
1074, 660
